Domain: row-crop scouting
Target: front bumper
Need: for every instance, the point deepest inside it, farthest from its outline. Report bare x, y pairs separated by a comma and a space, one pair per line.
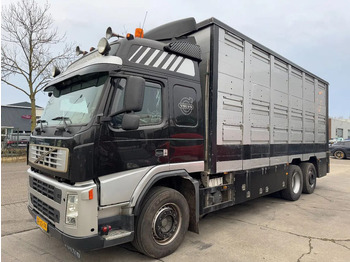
82, 243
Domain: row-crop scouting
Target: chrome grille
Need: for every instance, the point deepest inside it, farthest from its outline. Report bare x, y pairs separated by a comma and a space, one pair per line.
54, 158
48, 211
46, 189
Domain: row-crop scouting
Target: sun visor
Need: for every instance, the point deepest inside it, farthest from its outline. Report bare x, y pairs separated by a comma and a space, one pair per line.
99, 68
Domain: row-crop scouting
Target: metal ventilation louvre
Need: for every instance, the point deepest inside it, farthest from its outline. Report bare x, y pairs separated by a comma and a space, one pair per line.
185, 49
48, 211
46, 189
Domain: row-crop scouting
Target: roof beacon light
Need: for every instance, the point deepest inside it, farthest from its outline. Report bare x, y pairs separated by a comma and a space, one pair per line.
103, 46
139, 32
110, 33
80, 52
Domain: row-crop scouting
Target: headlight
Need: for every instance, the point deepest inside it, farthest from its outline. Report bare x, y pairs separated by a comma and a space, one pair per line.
72, 210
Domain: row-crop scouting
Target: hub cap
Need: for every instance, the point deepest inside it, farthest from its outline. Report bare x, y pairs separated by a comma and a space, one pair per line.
312, 178
296, 182
166, 224
339, 154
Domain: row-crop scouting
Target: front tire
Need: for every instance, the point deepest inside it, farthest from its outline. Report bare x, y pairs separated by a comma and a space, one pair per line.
162, 224
339, 154
294, 184
309, 177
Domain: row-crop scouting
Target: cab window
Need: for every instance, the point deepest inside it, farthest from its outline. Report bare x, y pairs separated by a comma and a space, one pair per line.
151, 113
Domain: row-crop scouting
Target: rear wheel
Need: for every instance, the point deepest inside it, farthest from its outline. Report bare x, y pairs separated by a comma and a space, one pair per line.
339, 154
309, 177
294, 184
162, 224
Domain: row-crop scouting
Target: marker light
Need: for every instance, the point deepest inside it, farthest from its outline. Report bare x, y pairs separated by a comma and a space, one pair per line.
91, 194
103, 46
139, 32
129, 36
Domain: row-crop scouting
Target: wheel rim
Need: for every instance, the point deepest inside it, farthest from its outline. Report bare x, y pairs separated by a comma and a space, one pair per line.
339, 154
166, 224
312, 177
296, 182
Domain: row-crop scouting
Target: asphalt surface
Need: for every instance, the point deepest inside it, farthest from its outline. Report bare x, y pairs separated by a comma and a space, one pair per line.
315, 228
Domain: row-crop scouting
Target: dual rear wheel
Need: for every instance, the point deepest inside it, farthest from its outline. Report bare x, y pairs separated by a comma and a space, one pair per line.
301, 179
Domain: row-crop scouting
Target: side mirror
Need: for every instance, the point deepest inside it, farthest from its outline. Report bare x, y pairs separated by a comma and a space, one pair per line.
134, 93
130, 122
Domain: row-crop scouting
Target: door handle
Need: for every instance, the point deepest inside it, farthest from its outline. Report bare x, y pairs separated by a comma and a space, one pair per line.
161, 152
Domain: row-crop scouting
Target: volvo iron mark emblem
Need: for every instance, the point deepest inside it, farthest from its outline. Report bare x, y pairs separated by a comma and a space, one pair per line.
186, 105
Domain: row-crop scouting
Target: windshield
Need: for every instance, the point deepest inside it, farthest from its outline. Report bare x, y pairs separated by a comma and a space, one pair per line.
74, 104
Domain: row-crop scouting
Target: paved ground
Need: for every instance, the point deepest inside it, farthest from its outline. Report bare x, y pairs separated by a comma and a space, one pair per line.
315, 228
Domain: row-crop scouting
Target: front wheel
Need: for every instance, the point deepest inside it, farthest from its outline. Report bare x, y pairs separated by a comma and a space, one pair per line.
294, 184
163, 222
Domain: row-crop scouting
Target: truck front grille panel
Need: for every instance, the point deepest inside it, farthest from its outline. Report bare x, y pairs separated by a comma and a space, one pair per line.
46, 189
54, 158
48, 211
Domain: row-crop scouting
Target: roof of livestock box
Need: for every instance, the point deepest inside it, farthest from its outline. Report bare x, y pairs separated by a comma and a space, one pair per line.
217, 22
184, 27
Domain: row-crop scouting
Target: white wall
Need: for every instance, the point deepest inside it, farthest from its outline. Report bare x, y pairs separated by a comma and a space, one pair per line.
340, 124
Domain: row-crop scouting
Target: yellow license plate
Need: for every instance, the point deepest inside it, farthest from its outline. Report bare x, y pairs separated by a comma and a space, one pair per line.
41, 223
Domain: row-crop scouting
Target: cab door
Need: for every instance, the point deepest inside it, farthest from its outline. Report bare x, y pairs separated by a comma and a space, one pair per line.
122, 150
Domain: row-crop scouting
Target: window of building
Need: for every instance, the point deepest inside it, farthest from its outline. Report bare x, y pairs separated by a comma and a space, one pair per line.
339, 132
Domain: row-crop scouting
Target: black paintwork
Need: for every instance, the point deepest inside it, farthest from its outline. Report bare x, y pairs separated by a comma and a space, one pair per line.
100, 149
244, 152
173, 29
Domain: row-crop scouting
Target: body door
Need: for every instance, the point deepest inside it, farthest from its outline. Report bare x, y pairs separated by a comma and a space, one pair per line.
121, 150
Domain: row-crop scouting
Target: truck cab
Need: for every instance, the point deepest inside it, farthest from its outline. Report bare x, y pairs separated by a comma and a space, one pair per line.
117, 116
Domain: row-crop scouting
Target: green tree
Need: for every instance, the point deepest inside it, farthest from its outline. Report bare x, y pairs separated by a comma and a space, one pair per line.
28, 44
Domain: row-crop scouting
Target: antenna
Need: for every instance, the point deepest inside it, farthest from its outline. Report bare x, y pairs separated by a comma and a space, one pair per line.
144, 20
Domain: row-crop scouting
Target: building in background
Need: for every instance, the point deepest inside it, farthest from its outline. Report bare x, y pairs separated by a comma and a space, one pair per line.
339, 128
15, 119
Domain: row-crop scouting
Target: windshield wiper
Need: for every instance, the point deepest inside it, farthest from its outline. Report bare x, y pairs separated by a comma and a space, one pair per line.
40, 128
65, 126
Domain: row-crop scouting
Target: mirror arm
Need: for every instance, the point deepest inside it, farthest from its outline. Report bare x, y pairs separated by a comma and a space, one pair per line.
101, 118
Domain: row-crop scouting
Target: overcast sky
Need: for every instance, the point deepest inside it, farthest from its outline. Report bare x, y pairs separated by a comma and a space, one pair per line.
314, 34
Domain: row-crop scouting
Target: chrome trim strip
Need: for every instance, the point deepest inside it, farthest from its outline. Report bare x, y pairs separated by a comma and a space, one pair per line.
189, 167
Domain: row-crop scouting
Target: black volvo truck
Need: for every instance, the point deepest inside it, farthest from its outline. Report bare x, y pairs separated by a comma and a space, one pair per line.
144, 135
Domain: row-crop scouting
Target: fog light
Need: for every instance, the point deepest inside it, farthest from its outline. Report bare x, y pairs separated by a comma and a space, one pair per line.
72, 210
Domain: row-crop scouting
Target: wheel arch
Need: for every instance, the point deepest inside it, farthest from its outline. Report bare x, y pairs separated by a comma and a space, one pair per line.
178, 180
